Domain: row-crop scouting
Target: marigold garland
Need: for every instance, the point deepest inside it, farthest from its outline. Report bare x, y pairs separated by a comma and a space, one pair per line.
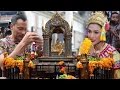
62, 67
79, 65
11, 63
103, 63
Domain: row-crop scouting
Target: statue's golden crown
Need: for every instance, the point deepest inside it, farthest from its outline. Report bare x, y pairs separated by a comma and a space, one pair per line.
97, 17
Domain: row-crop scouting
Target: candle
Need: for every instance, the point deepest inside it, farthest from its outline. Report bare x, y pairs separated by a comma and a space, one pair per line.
43, 23
72, 23
32, 29
79, 51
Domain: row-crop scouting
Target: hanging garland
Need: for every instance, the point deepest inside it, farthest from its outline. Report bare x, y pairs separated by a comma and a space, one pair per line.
103, 63
62, 68
12, 63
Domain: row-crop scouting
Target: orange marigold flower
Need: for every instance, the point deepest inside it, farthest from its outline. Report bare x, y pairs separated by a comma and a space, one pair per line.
61, 63
79, 65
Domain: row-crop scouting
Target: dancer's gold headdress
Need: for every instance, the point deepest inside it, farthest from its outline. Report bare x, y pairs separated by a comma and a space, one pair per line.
99, 18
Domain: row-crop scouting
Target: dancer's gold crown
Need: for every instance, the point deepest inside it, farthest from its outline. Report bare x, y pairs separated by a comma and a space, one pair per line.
97, 17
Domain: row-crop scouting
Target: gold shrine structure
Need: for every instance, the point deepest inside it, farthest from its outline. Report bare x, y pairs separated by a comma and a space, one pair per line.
60, 50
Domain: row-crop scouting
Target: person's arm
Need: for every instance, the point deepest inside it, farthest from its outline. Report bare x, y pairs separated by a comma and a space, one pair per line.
1, 61
19, 49
27, 39
117, 74
113, 31
2, 49
116, 57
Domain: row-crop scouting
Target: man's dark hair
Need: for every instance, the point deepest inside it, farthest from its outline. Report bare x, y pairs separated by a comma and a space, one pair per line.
114, 13
8, 32
119, 18
2, 29
19, 15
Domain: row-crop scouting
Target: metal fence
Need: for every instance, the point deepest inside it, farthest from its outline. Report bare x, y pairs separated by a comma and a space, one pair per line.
45, 71
103, 74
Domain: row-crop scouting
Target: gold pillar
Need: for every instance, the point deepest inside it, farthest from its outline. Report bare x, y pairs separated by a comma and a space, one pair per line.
26, 69
84, 72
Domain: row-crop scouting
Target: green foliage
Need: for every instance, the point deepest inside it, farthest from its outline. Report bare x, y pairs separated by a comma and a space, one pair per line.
20, 57
64, 76
91, 58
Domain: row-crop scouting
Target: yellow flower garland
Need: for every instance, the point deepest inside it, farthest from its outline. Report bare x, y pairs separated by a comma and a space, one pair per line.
85, 46
11, 63
103, 63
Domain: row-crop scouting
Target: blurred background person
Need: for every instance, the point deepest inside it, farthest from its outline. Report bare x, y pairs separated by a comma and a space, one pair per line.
113, 34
